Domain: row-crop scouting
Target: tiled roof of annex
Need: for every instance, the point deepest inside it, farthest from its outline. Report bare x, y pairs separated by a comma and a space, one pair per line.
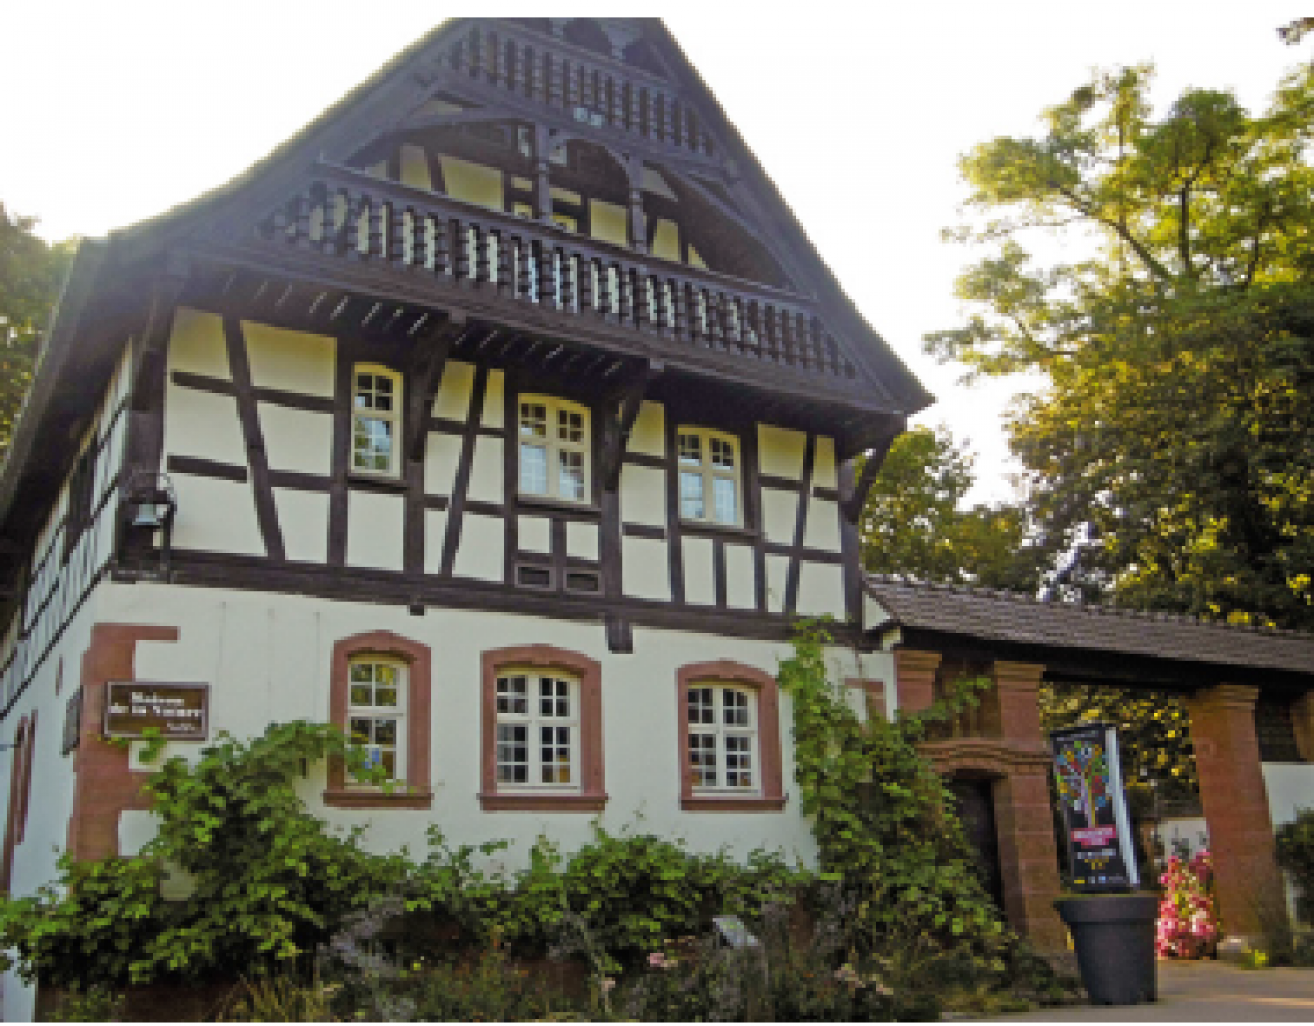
1011, 617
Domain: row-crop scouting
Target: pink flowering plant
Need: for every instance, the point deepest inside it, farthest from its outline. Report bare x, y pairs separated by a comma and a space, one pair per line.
1188, 923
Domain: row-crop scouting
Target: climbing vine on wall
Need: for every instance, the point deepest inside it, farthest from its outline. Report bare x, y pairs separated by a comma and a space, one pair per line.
885, 825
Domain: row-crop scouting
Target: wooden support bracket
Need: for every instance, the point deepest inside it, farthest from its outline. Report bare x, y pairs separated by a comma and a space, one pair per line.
423, 376
619, 424
851, 505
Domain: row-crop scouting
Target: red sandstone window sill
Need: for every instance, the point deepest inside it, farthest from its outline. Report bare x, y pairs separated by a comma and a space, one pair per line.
709, 804
542, 802
401, 798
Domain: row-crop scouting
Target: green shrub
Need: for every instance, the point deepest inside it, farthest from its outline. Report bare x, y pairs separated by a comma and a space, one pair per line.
1295, 853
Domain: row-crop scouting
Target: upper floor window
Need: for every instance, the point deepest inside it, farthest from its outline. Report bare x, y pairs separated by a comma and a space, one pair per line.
554, 448
709, 476
376, 420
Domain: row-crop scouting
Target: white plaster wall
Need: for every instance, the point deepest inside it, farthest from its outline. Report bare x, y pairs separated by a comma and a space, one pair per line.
823, 464
582, 540
820, 589
202, 424
777, 572
873, 613
303, 519
51, 798
699, 580
374, 530
300, 440
740, 575
435, 531
643, 495
822, 530
480, 554
780, 451
534, 534
441, 456
267, 658
493, 414
648, 436
295, 361
216, 516
779, 515
645, 569
486, 472
197, 344
453, 398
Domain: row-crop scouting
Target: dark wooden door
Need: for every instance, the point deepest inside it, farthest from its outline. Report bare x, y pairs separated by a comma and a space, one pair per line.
976, 808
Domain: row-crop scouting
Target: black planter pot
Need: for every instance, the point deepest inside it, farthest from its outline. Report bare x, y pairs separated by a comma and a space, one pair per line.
1114, 938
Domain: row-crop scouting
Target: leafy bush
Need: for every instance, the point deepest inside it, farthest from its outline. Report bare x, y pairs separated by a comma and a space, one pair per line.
1295, 854
269, 881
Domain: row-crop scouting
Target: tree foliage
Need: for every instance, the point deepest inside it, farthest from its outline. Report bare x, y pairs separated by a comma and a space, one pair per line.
31, 272
1174, 440
912, 524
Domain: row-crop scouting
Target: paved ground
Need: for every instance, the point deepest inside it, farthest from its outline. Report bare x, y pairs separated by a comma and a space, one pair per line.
1203, 991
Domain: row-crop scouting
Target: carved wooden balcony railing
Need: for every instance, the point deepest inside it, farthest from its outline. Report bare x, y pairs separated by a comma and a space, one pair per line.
424, 237
589, 91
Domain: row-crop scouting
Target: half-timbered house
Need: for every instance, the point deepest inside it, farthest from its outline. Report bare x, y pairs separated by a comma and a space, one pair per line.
504, 416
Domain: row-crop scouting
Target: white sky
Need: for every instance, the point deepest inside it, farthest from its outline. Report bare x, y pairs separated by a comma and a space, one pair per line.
112, 112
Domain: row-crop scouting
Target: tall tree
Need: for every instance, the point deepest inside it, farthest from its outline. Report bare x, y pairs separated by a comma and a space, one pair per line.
1175, 438
913, 525
31, 272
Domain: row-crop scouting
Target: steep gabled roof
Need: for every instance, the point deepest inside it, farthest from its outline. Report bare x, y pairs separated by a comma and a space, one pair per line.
406, 81
97, 281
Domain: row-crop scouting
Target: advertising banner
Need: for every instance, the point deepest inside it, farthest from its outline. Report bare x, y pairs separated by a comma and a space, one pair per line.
1101, 856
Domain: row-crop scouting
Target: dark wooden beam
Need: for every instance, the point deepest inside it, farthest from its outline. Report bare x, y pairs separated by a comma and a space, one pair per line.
151, 355
424, 375
851, 504
617, 427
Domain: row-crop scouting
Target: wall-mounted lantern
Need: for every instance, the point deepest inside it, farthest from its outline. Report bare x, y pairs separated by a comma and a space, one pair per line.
149, 505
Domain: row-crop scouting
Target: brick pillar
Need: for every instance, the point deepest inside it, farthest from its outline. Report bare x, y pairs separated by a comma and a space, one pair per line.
914, 673
1302, 722
1028, 853
1017, 687
1249, 885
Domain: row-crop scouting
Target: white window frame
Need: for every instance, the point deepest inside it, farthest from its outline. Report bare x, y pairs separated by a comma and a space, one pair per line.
555, 443
374, 711
728, 738
540, 712
707, 471
362, 414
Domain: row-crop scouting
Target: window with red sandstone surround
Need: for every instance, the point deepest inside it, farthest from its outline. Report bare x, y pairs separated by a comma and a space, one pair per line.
380, 695
541, 731
729, 725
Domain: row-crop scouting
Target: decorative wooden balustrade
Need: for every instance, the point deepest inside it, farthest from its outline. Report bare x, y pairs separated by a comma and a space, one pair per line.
356, 217
588, 91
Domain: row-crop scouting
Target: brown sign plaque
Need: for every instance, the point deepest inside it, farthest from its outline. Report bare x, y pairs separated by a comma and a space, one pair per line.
180, 712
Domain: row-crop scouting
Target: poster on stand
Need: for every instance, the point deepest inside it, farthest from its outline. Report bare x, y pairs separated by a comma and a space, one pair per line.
1095, 819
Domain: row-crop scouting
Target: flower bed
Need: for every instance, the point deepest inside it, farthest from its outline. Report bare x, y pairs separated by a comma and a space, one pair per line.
1188, 923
